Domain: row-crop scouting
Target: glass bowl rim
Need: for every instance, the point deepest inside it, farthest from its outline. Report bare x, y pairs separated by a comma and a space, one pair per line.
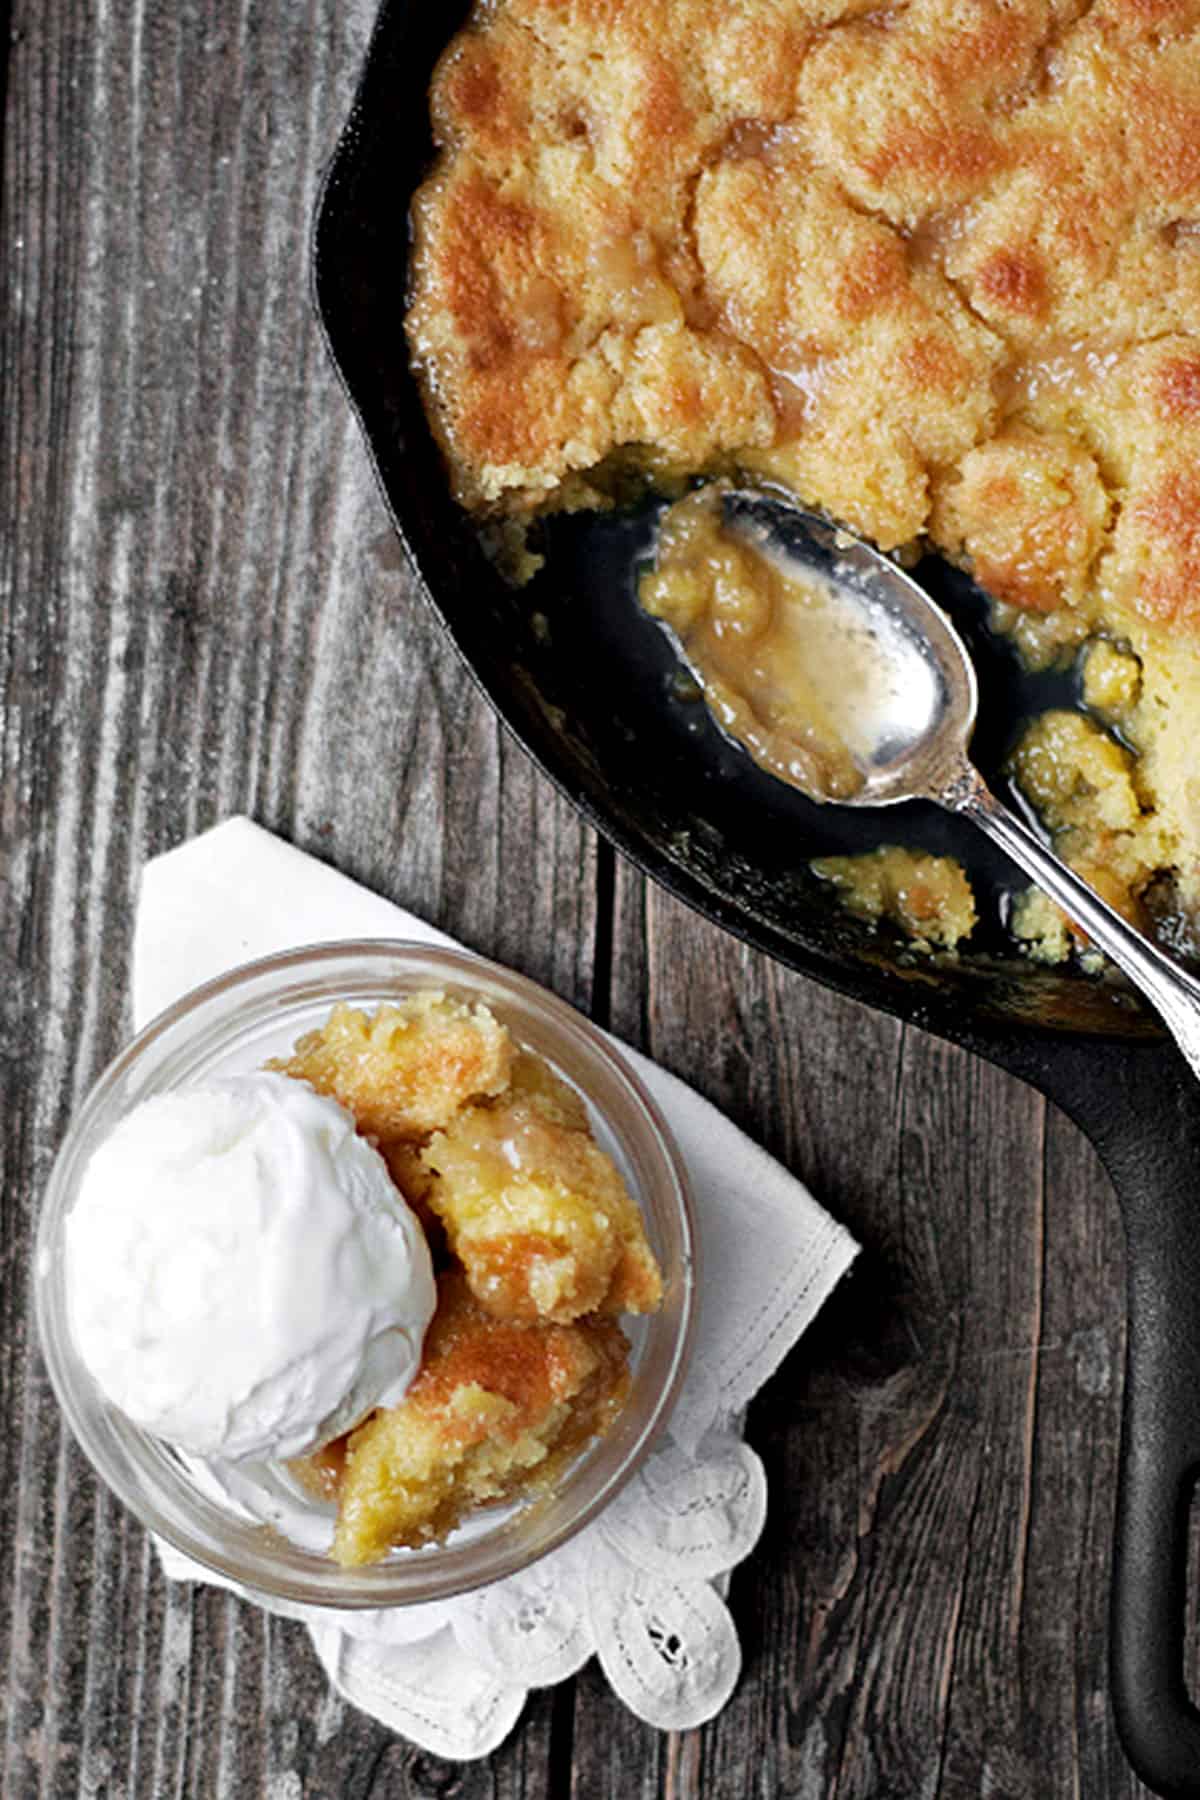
459, 1567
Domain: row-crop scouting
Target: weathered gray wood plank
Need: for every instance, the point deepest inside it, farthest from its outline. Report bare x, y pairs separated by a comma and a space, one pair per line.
204, 612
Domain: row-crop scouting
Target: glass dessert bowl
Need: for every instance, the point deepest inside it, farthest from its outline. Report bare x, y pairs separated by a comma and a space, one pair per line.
254, 1524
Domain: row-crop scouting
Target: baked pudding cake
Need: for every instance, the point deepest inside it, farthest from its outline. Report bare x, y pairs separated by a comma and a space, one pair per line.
538, 1248
933, 266
499, 1409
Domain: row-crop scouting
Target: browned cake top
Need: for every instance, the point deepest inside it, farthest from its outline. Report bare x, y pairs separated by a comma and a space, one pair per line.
936, 265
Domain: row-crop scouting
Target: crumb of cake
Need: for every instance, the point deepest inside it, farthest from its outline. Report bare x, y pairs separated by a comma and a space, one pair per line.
506, 543
498, 1407
1112, 678
1076, 774
536, 1212
928, 897
1083, 784
1041, 928
1048, 936
404, 1070
1043, 640
1161, 727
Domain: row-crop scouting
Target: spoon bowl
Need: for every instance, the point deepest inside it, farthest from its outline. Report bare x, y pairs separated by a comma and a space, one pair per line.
908, 716
896, 687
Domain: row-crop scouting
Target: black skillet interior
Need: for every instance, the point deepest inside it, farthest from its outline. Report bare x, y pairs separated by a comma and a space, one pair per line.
590, 688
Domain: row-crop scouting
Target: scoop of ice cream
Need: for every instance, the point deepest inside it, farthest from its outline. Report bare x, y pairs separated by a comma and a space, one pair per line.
243, 1277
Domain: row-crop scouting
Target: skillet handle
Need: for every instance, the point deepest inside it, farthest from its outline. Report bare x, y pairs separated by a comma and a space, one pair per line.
1141, 1108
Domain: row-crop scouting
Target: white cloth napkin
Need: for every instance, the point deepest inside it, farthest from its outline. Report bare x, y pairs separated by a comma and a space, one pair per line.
638, 1587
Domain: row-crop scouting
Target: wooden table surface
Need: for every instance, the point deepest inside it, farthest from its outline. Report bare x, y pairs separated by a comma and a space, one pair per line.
205, 612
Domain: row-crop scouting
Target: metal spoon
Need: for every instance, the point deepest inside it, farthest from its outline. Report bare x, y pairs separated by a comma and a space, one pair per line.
913, 746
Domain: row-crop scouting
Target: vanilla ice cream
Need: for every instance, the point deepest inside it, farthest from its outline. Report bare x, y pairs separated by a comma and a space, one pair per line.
244, 1279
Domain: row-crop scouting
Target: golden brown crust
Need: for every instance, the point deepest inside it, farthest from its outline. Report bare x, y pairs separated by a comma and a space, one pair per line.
869, 251
1029, 510
934, 265
536, 1212
927, 896
404, 1070
498, 1407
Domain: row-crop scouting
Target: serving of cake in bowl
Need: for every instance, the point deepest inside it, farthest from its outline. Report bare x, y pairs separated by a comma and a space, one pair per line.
538, 1247
366, 1274
934, 268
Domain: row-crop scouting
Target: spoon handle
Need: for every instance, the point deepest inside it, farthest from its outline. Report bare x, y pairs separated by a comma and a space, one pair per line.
1174, 994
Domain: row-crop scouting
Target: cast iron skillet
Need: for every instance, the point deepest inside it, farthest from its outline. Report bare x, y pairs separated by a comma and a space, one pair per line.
588, 687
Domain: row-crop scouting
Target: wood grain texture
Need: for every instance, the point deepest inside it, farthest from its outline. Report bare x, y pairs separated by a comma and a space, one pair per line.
204, 611
926, 1613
